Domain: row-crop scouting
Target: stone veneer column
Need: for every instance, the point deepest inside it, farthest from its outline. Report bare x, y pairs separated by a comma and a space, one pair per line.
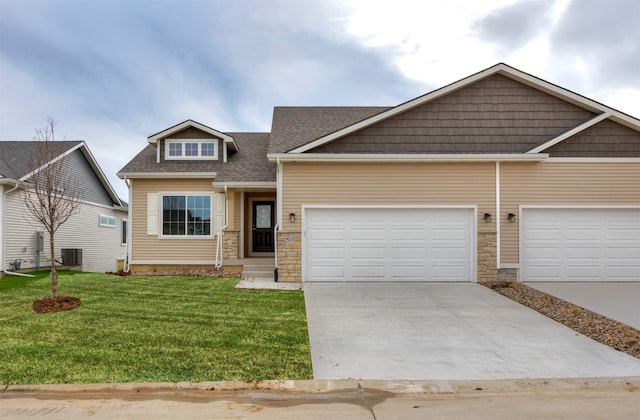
230, 244
289, 257
487, 251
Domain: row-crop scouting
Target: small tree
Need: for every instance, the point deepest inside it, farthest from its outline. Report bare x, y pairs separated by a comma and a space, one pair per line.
53, 196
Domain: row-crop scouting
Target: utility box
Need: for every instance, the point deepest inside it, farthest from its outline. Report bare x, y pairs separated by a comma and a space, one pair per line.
39, 241
71, 256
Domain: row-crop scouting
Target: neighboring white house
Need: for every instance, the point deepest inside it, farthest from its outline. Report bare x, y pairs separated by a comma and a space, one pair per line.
93, 238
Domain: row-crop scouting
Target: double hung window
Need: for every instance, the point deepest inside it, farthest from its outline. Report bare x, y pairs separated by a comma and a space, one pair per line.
186, 215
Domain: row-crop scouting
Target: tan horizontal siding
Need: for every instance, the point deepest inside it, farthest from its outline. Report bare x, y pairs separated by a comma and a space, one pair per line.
236, 210
149, 247
561, 183
388, 184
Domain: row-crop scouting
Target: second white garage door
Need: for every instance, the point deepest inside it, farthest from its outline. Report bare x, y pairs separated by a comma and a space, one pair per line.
580, 244
389, 244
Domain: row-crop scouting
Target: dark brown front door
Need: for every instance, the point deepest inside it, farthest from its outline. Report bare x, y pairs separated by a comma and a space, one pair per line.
262, 226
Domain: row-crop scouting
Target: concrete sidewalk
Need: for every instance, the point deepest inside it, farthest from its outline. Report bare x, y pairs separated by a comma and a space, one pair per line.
380, 400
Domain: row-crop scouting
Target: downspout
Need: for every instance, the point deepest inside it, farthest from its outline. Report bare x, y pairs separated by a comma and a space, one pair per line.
126, 266
4, 235
219, 253
498, 216
278, 217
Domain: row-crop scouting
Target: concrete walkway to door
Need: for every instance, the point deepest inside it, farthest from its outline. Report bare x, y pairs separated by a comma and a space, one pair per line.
450, 331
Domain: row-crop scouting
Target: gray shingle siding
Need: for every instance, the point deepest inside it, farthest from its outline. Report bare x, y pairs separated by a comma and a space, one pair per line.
493, 115
606, 139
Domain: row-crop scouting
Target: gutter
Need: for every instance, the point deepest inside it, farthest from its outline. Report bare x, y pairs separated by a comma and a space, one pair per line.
407, 157
4, 236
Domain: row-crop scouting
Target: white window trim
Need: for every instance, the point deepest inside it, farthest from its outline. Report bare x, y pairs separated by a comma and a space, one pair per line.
113, 226
212, 228
200, 142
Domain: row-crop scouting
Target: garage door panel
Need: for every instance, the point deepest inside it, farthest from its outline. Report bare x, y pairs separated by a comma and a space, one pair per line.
627, 235
367, 271
395, 244
581, 244
415, 234
408, 272
327, 272
333, 234
583, 252
449, 274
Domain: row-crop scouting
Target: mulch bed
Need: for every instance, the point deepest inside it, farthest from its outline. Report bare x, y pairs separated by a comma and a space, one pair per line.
607, 331
61, 303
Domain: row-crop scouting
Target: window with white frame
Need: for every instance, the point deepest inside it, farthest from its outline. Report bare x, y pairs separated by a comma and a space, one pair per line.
187, 215
125, 231
187, 149
107, 221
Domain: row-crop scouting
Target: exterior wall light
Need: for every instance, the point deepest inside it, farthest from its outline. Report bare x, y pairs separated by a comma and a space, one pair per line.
292, 217
487, 217
511, 217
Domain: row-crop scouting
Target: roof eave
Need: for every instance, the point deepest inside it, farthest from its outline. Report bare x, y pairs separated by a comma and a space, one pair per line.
407, 157
185, 175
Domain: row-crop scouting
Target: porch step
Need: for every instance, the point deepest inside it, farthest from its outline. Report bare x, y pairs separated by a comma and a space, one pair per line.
257, 272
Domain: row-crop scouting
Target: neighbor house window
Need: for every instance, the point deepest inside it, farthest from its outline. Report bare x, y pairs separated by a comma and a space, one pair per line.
186, 215
206, 149
107, 221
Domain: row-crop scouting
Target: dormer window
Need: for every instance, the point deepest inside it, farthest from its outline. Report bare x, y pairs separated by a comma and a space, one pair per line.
191, 149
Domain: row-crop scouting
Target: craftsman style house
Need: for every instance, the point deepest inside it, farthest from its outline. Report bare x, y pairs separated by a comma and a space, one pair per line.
500, 175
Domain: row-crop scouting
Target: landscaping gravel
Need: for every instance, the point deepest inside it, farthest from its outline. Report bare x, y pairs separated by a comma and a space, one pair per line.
607, 331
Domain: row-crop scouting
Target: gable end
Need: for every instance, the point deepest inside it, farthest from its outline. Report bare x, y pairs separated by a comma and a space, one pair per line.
493, 115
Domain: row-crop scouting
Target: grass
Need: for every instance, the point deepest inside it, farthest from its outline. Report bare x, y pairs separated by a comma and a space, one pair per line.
150, 329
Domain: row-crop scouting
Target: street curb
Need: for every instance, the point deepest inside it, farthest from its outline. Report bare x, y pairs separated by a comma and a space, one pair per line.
401, 387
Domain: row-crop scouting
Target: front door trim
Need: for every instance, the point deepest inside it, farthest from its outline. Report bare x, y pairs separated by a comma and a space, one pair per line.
253, 201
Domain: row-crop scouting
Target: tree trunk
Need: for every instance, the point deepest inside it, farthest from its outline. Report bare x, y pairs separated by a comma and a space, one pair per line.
54, 273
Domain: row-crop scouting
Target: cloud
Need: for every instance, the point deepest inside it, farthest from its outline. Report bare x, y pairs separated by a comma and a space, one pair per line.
601, 38
515, 25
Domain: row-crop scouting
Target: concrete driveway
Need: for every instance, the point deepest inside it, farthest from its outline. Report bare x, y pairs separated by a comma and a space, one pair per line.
446, 331
615, 300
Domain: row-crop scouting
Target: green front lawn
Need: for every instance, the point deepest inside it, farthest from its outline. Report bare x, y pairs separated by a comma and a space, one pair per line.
150, 329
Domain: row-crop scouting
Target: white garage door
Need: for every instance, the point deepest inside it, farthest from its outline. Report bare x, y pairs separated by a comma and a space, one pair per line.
389, 244
580, 245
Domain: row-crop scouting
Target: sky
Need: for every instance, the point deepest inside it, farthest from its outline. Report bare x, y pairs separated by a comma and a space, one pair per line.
113, 72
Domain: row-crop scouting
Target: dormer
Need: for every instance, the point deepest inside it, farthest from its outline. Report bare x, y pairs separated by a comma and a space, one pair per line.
192, 141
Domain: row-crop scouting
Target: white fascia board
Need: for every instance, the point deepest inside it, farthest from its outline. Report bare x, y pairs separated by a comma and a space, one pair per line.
267, 184
571, 132
131, 175
191, 123
406, 157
